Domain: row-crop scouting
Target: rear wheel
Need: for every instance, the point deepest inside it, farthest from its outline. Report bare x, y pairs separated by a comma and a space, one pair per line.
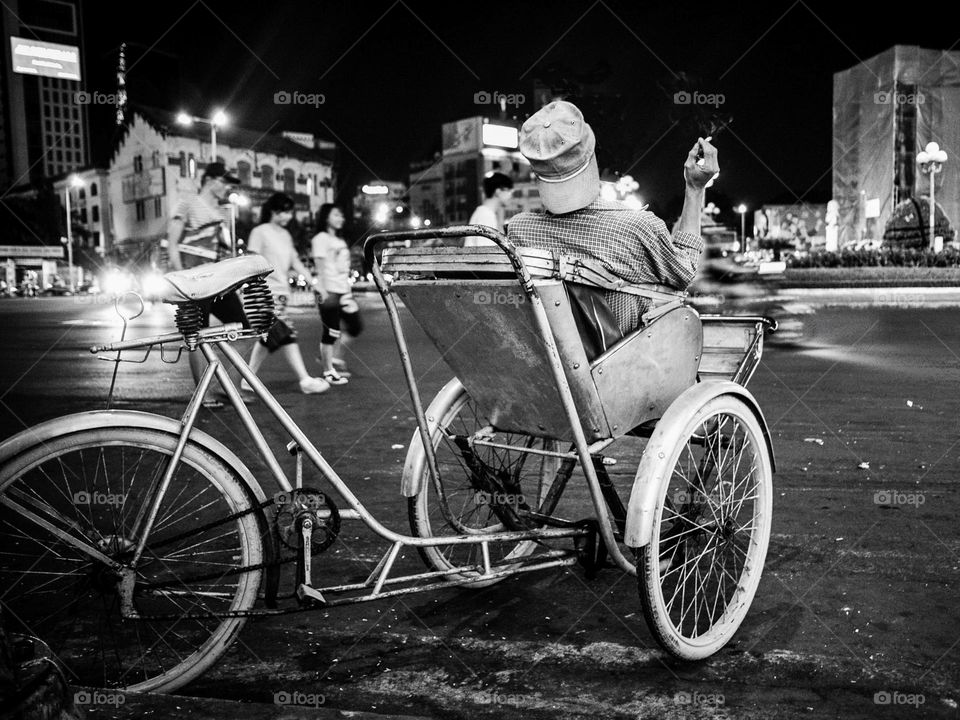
480, 491
75, 495
700, 570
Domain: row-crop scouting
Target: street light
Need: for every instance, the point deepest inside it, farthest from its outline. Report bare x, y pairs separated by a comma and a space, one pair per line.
219, 119
742, 209
74, 181
236, 200
931, 160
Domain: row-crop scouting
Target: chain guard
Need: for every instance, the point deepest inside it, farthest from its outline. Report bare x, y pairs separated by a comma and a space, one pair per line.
293, 507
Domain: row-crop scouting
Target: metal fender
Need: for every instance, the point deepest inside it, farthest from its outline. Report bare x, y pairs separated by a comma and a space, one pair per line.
650, 475
67, 424
416, 458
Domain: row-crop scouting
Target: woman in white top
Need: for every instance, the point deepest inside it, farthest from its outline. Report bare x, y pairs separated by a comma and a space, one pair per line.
334, 299
272, 240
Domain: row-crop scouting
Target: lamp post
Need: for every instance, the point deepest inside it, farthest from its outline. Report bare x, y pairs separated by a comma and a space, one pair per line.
219, 119
74, 181
742, 209
931, 160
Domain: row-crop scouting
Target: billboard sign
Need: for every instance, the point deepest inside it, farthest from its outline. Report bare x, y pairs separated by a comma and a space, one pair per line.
34, 57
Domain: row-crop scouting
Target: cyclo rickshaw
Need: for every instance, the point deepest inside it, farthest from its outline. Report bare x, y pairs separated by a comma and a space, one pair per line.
146, 591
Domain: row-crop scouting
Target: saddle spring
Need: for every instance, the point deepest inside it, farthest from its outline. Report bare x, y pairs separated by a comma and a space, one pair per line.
189, 320
258, 305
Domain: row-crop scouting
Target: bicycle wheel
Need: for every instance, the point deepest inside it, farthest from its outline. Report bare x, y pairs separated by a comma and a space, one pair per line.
700, 571
94, 486
476, 483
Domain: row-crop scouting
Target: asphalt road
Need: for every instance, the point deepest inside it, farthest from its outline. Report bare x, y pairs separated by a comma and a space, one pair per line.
856, 614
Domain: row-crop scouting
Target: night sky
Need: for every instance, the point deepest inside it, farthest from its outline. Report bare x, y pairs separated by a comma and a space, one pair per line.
392, 72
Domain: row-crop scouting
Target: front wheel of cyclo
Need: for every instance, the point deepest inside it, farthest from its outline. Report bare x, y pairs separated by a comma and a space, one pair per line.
74, 492
700, 570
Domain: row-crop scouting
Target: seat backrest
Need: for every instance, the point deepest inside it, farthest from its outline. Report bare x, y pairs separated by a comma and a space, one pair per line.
470, 304
486, 332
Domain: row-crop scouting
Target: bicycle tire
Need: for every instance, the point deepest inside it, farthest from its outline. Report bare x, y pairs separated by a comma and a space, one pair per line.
116, 469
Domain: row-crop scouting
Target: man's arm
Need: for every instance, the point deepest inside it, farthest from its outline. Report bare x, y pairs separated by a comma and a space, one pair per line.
174, 233
696, 174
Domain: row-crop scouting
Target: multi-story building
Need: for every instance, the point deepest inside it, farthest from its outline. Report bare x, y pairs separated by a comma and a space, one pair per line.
157, 161
449, 187
886, 109
43, 117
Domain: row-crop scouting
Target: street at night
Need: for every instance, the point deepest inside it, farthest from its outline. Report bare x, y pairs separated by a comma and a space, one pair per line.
857, 596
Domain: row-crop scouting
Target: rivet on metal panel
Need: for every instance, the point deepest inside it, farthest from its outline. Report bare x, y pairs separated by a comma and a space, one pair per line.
557, 303
576, 366
596, 430
696, 358
649, 335
660, 455
615, 427
541, 426
599, 371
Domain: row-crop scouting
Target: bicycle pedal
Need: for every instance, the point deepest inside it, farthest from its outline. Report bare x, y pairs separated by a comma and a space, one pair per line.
307, 594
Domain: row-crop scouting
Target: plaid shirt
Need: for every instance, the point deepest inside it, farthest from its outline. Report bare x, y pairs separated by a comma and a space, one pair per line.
632, 244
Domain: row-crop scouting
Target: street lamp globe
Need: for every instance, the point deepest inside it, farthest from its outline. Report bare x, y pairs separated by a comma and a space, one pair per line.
184, 119
220, 118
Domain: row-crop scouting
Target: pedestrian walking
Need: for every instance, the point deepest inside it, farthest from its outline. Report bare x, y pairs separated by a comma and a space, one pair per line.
339, 311
272, 240
198, 233
497, 190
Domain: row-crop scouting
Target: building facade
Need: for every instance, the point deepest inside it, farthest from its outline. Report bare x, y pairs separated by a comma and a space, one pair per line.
885, 110
156, 163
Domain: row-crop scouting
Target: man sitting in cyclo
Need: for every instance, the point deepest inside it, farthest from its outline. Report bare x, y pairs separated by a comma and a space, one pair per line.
632, 244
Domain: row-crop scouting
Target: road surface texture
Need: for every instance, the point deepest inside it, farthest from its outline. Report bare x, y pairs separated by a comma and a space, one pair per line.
856, 615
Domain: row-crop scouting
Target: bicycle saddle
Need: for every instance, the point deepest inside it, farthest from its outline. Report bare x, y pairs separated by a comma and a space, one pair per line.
213, 279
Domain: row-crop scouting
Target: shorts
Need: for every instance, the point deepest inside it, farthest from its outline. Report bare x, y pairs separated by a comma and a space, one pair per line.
227, 309
339, 310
